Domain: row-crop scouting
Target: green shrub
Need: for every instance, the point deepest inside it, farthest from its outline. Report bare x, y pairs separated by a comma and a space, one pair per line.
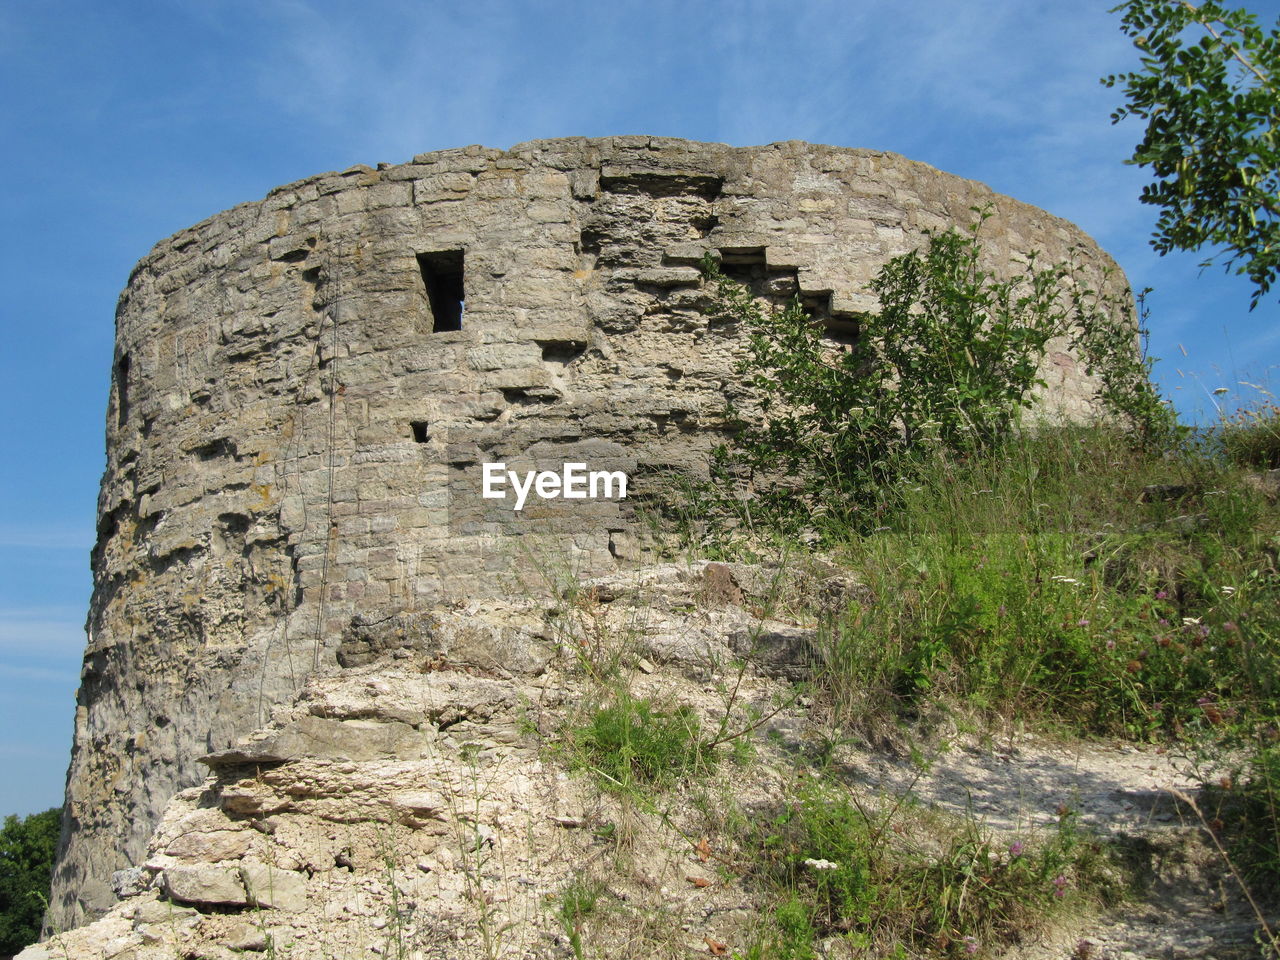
823, 826
578, 901
886, 883
949, 363
27, 848
1243, 809
794, 921
634, 743
784, 933
1257, 843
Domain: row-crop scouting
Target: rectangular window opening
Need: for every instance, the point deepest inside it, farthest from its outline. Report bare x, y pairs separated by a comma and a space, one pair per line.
421, 431
746, 265
442, 276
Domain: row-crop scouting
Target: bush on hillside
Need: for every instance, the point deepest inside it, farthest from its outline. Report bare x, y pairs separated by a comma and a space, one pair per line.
27, 848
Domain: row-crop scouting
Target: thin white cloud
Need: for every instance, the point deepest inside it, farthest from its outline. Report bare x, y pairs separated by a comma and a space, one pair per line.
45, 537
1263, 341
11, 673
394, 83
56, 631
25, 750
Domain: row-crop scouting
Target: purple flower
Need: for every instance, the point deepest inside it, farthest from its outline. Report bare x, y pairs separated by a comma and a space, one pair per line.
970, 946
1015, 849
1162, 595
1059, 885
1111, 644
1082, 622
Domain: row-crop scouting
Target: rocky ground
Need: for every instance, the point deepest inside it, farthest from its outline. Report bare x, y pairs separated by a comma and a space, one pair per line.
420, 802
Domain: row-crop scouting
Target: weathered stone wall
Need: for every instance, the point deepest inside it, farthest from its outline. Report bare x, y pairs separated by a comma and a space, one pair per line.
292, 441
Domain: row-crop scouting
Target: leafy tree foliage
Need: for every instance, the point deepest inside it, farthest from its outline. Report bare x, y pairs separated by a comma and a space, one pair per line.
1209, 90
27, 847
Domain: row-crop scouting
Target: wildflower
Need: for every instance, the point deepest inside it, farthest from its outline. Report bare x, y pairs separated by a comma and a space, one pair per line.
1015, 849
1059, 885
1111, 644
1082, 622
1210, 710
970, 946
813, 864
1162, 594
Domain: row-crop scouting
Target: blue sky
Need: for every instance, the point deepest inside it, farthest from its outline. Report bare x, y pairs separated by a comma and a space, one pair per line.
124, 122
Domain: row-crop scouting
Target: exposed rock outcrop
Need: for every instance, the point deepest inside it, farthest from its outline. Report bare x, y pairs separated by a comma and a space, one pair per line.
425, 805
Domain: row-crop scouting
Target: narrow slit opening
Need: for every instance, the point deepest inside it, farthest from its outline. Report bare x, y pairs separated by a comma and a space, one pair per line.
122, 390
421, 433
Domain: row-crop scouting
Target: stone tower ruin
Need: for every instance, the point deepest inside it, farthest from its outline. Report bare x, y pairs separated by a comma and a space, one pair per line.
305, 389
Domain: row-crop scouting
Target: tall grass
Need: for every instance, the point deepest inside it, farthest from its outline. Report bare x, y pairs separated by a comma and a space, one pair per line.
1251, 436
899, 883
1067, 577
1071, 578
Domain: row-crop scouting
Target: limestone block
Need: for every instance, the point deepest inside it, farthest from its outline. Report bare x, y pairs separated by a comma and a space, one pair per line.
269, 886
161, 911
130, 882
319, 737
203, 884
211, 846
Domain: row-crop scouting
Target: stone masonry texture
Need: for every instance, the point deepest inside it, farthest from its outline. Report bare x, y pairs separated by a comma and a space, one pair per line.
305, 388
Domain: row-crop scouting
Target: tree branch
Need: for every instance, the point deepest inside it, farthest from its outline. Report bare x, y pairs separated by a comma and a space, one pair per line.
1235, 51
